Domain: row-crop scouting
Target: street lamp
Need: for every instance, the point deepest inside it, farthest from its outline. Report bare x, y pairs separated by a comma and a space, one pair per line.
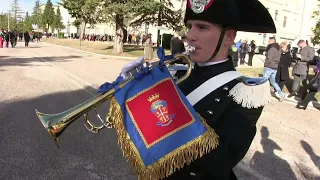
147, 27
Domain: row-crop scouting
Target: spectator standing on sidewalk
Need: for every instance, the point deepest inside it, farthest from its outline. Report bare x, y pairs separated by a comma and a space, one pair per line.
2, 34
243, 52
251, 52
301, 68
271, 65
314, 87
148, 48
286, 59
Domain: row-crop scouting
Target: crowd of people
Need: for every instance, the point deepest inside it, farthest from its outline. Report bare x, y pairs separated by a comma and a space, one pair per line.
238, 51
280, 57
12, 36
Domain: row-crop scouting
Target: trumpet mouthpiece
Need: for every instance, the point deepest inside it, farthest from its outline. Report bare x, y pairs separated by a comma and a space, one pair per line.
189, 50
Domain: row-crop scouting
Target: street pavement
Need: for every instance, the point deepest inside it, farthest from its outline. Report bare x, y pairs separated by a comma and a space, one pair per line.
53, 79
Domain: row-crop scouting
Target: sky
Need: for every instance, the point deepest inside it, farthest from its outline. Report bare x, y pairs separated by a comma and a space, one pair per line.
25, 5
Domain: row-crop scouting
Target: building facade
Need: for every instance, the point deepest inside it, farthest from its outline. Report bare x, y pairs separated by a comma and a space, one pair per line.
293, 20
109, 28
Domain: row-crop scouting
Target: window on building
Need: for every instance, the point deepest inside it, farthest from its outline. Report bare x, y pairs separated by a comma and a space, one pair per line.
276, 15
284, 21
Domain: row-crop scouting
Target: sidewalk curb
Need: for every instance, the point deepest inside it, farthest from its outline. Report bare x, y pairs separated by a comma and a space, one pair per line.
103, 55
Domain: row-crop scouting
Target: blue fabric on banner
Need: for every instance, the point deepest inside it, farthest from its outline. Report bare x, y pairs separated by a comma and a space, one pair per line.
157, 151
108, 86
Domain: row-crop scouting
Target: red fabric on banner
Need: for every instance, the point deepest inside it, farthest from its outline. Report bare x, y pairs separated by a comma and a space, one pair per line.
158, 112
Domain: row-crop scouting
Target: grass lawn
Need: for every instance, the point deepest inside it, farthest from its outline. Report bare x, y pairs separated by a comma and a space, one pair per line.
258, 72
104, 48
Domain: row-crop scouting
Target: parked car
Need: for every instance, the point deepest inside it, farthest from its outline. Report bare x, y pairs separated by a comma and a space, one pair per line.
261, 50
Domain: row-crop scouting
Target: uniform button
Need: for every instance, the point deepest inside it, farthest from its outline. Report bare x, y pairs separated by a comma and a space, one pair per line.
209, 112
217, 100
226, 88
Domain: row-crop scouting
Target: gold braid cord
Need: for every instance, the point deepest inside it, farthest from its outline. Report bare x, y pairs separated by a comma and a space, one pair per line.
169, 163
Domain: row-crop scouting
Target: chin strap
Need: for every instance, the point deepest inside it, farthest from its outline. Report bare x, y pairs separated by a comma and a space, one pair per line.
223, 30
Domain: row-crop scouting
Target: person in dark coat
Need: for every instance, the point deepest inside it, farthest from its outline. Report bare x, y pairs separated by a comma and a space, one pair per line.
301, 68
233, 53
286, 59
251, 52
243, 52
177, 47
231, 113
13, 38
314, 87
26, 39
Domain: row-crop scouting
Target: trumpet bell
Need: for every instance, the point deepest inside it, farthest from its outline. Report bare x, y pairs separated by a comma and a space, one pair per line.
53, 124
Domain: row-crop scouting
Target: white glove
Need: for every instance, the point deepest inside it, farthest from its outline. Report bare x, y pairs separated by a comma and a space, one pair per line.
125, 71
298, 56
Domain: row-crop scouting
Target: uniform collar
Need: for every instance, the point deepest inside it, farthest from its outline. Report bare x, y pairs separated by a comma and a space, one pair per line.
211, 63
210, 70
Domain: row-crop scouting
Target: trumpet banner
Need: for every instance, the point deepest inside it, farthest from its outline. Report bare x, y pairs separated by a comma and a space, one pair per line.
158, 129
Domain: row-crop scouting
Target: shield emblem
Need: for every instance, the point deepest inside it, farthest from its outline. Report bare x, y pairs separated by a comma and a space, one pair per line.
160, 109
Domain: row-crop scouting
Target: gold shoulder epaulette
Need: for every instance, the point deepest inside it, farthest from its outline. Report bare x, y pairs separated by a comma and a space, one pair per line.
251, 92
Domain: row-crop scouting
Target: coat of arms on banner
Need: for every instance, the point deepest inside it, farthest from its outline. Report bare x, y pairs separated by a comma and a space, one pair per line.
151, 115
160, 109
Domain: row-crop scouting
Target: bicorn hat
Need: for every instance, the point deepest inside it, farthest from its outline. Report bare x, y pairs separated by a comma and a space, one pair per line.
242, 15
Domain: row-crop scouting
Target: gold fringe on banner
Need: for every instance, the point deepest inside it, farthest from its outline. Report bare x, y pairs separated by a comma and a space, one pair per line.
171, 162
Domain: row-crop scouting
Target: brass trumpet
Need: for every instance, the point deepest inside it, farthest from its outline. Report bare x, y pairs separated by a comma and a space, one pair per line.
56, 123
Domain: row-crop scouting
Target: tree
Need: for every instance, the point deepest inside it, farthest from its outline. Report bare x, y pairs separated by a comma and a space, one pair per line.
36, 14
154, 12
27, 23
86, 11
316, 30
160, 13
119, 11
48, 16
76, 23
116, 11
16, 15
3, 20
58, 20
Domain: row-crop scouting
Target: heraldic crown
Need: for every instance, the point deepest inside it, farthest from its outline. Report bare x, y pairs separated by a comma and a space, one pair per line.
154, 97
